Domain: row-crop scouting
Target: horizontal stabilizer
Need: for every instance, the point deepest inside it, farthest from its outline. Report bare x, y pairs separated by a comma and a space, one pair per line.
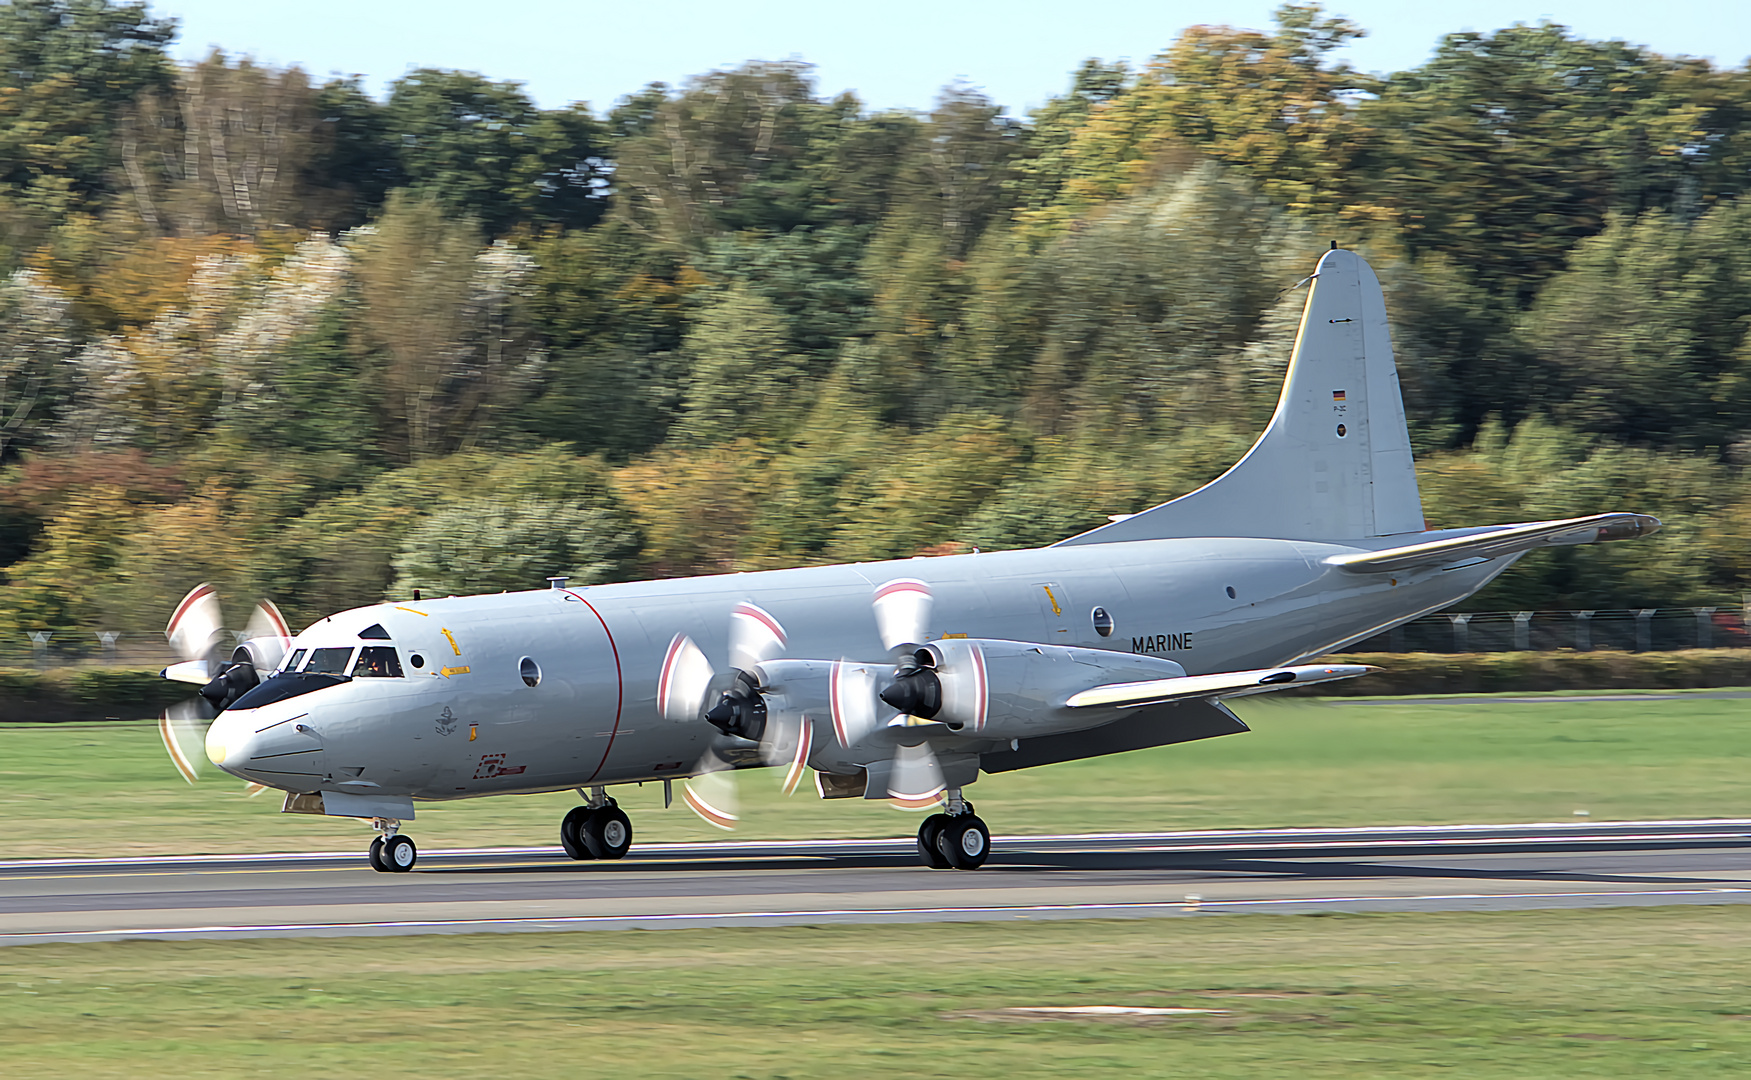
1508, 540
1222, 685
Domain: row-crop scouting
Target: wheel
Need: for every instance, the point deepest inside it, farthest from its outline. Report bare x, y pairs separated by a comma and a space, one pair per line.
377, 862
571, 833
964, 842
927, 834
399, 854
607, 832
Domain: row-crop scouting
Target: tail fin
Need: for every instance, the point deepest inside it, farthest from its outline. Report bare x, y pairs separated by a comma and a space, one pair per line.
1335, 462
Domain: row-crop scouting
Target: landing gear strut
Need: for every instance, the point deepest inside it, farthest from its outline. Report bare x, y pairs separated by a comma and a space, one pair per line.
597, 830
956, 839
391, 853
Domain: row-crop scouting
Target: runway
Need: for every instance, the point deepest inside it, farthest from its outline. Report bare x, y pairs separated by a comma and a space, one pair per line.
1129, 875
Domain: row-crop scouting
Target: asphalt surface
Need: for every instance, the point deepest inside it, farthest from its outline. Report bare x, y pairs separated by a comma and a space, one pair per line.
1133, 875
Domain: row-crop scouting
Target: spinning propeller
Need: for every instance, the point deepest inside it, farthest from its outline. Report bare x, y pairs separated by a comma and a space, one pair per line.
893, 703
197, 633
942, 683
781, 734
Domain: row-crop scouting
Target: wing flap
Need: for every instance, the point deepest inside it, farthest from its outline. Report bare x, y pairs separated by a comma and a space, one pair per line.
1221, 685
1509, 540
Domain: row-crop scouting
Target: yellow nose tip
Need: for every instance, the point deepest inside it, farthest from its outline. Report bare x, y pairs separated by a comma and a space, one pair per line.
215, 746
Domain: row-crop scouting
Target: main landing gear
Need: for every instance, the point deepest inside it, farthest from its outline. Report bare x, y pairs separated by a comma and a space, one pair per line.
956, 839
597, 830
391, 853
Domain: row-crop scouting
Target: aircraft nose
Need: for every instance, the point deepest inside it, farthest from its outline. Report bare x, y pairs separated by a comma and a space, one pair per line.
228, 738
253, 743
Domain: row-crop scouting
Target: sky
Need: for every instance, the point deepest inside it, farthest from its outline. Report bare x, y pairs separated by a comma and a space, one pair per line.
894, 54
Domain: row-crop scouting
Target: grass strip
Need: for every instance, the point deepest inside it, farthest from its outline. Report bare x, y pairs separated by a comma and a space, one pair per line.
1624, 992
107, 789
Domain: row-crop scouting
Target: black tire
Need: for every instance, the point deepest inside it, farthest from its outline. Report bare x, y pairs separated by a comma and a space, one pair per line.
399, 854
571, 833
607, 832
928, 853
964, 842
377, 862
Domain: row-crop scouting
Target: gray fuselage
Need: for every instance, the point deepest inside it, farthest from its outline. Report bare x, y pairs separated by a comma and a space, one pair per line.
461, 720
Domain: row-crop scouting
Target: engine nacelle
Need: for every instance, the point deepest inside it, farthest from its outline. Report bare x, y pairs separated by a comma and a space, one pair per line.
262, 653
1017, 689
979, 687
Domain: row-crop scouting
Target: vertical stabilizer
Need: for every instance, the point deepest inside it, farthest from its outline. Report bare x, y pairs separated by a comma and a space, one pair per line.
1335, 462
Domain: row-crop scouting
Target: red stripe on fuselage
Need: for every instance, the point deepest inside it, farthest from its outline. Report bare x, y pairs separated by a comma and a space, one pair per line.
619, 684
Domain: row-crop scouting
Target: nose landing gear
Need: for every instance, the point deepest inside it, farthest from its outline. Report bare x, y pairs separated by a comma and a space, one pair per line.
956, 839
597, 830
392, 853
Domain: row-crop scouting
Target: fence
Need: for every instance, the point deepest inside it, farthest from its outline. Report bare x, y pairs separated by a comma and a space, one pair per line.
1631, 630
67, 648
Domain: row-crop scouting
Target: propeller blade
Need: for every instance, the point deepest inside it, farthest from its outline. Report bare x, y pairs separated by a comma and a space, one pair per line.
755, 635
686, 676
712, 793
799, 762
252, 790
788, 741
195, 626
266, 621
851, 690
183, 727
915, 782
902, 612
268, 634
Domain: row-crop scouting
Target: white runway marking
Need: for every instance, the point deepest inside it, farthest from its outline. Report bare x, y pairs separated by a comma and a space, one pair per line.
830, 915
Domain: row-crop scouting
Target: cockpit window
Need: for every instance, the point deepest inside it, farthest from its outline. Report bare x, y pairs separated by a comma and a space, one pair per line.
294, 660
378, 662
329, 661
374, 632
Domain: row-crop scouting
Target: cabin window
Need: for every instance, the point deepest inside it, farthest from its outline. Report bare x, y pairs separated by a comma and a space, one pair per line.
329, 661
294, 660
1103, 623
417, 660
377, 662
530, 670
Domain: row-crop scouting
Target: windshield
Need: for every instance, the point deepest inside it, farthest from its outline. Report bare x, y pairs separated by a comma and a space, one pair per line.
329, 661
379, 662
294, 660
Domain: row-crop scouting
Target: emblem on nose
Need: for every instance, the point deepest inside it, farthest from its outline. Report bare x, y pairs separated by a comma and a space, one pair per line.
446, 722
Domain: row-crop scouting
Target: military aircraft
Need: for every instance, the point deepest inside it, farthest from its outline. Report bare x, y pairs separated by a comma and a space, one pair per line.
897, 680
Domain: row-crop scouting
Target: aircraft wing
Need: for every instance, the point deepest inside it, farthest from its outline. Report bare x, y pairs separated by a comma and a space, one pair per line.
1222, 685
1508, 540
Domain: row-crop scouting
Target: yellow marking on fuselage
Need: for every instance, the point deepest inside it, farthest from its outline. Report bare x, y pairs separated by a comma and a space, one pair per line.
451, 638
421, 614
449, 671
1056, 610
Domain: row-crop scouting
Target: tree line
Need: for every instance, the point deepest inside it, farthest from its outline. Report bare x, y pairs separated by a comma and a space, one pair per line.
307, 342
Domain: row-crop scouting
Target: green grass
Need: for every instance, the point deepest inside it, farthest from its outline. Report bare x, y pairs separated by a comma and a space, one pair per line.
100, 789
1629, 992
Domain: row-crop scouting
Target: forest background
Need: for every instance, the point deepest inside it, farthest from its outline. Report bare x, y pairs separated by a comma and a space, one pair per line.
309, 344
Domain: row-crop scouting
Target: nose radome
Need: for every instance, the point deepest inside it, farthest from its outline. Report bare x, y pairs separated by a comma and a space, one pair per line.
228, 737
